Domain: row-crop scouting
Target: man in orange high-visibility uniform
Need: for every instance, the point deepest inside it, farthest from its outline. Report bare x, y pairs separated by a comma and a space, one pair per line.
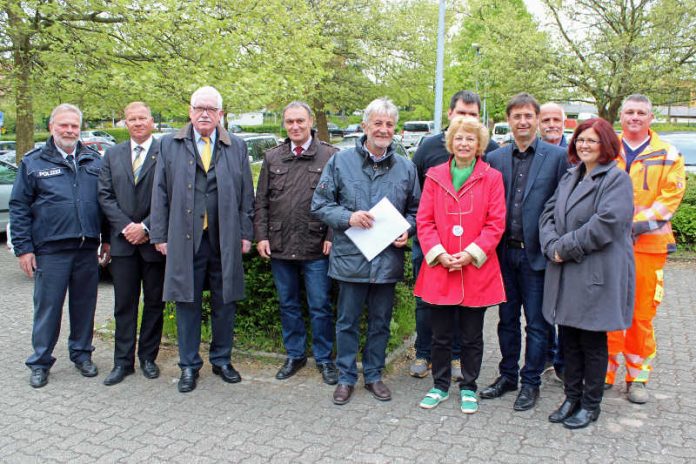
657, 172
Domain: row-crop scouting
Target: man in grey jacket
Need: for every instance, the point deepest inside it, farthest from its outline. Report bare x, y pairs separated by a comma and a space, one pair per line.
202, 220
353, 181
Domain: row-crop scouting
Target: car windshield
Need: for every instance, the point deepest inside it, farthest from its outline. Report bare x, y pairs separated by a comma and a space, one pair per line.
501, 130
7, 174
416, 127
685, 143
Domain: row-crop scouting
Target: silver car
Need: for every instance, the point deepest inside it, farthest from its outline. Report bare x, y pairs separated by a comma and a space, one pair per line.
8, 173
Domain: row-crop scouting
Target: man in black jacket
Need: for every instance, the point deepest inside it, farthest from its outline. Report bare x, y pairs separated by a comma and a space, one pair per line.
125, 192
56, 231
431, 153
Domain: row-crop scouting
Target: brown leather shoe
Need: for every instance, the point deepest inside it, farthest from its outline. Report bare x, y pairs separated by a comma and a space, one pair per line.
342, 393
379, 390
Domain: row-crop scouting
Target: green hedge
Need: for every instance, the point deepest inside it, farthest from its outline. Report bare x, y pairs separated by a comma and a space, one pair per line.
684, 221
258, 327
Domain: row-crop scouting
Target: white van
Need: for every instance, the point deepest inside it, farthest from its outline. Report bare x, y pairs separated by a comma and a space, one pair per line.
414, 130
500, 132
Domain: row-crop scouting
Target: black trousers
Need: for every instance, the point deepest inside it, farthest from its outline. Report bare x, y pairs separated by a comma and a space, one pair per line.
586, 355
444, 321
130, 273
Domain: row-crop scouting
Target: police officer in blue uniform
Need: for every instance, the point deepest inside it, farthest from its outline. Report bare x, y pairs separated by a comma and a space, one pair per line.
56, 228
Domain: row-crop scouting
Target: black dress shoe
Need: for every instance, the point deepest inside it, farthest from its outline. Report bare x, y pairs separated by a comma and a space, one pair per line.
328, 372
87, 368
228, 373
565, 410
117, 374
527, 398
498, 388
187, 381
39, 377
379, 390
342, 394
290, 368
581, 418
150, 369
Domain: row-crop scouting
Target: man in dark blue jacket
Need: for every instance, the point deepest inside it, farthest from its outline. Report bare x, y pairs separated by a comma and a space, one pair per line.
531, 170
56, 225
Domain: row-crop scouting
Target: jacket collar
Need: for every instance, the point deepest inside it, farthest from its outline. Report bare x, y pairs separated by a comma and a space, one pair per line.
308, 153
82, 153
387, 159
186, 132
441, 175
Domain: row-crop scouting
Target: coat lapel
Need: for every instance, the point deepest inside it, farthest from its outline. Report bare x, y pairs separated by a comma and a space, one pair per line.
537, 161
588, 185
127, 162
150, 159
507, 174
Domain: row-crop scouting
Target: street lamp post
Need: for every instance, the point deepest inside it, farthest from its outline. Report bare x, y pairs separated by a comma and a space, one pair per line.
484, 113
437, 117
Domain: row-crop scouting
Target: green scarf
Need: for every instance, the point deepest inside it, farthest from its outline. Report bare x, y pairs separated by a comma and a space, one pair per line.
460, 175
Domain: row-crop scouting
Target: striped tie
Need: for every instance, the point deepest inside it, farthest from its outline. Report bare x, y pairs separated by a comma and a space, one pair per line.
206, 155
137, 163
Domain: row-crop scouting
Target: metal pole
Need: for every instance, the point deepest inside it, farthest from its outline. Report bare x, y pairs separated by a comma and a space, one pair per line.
437, 117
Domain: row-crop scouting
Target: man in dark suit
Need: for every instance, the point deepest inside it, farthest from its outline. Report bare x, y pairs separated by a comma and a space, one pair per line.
531, 171
202, 219
125, 192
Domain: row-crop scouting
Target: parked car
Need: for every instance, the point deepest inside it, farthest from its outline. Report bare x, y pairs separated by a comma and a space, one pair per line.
165, 128
9, 156
234, 128
99, 145
413, 148
97, 134
257, 144
686, 144
350, 139
414, 130
353, 129
334, 130
500, 133
8, 173
6, 145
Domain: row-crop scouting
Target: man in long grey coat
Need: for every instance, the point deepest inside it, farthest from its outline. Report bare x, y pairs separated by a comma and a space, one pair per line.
202, 219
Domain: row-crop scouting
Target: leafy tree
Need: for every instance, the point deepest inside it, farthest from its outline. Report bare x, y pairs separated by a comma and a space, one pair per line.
611, 49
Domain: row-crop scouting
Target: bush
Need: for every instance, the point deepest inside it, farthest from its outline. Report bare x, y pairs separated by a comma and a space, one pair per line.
684, 221
258, 327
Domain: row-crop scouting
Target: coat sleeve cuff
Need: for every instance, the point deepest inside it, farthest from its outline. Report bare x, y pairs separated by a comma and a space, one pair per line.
477, 254
431, 256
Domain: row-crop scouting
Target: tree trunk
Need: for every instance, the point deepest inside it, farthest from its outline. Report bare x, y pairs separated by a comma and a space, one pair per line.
320, 119
21, 42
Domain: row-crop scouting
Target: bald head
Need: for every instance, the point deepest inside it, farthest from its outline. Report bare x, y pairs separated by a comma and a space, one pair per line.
551, 122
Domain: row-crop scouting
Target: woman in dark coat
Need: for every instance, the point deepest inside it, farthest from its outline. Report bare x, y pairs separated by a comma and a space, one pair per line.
585, 233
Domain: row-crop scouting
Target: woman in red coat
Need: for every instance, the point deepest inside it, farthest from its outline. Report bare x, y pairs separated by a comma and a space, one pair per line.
460, 220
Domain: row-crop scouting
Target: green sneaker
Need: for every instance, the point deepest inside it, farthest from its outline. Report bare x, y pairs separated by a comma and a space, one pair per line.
469, 403
433, 398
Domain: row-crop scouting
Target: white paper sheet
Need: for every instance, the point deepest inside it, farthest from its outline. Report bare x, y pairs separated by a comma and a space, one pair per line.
388, 225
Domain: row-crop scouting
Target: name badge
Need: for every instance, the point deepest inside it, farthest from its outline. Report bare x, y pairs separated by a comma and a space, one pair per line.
50, 172
457, 231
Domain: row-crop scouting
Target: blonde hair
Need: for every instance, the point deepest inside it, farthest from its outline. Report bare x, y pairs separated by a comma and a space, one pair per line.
470, 125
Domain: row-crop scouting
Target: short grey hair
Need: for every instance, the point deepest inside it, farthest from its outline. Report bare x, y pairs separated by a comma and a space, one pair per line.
553, 105
205, 91
637, 97
298, 104
65, 108
381, 106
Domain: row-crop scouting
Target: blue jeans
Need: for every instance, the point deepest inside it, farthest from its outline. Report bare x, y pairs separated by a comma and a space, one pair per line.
352, 297
424, 333
524, 287
554, 353
75, 272
287, 275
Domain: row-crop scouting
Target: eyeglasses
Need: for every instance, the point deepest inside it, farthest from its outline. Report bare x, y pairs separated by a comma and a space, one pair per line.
590, 142
205, 109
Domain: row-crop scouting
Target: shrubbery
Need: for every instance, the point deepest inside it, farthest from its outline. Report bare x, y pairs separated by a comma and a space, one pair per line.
684, 221
257, 325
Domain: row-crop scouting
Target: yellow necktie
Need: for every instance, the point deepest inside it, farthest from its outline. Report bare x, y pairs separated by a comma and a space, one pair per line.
137, 163
206, 156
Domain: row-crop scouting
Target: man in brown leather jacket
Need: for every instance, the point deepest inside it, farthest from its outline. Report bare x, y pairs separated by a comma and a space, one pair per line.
296, 243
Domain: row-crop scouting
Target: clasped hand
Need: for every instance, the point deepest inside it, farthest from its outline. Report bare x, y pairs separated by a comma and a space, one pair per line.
456, 261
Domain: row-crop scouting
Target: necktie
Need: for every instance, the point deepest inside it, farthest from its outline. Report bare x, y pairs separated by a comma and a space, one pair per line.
137, 163
298, 150
71, 159
206, 155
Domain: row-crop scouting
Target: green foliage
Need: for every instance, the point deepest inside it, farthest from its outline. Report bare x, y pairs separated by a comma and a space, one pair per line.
257, 325
684, 221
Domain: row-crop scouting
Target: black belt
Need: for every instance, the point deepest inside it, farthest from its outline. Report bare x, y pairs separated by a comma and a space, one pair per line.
514, 244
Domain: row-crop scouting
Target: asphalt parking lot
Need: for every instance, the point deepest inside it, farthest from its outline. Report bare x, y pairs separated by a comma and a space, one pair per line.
75, 419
